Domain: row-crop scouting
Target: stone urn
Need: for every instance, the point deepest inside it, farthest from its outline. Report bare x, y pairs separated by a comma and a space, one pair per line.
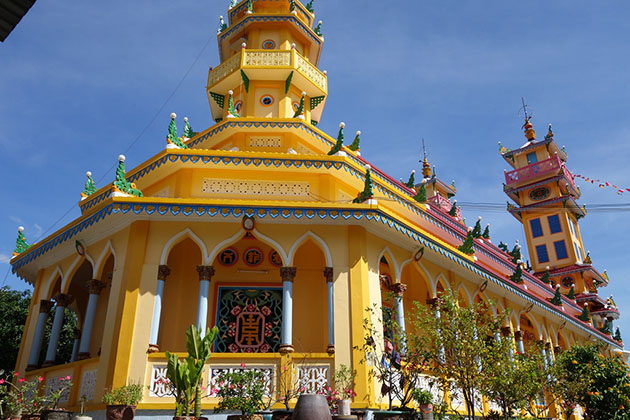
311, 407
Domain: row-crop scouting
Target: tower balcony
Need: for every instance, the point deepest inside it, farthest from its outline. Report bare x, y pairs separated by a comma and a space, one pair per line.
268, 65
546, 168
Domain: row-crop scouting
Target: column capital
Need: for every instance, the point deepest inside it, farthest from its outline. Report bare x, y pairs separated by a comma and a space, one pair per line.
63, 300
328, 274
45, 306
164, 272
286, 348
288, 273
548, 346
95, 286
506, 331
557, 350
205, 272
434, 302
518, 335
398, 288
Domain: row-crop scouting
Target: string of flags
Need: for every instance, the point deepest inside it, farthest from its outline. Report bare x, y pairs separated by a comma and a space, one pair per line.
603, 184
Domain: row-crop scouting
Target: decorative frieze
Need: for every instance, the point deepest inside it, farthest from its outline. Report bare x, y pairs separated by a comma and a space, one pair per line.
260, 141
256, 187
313, 378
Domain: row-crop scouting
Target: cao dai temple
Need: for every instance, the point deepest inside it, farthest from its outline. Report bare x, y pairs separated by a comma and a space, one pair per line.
282, 235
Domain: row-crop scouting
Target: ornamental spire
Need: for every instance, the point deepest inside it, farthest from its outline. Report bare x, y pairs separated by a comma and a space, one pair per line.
90, 186
231, 110
337, 147
299, 112
20, 242
426, 168
355, 146
121, 185
367, 192
172, 139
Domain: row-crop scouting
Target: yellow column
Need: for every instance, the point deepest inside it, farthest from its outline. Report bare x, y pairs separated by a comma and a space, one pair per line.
119, 358
359, 302
29, 329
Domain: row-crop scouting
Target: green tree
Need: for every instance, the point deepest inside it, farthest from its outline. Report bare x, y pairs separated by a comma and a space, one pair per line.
599, 384
14, 308
513, 381
455, 340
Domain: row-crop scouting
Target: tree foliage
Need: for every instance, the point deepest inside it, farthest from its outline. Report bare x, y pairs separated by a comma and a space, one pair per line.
14, 308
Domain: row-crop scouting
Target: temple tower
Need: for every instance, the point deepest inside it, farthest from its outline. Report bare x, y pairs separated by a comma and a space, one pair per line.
269, 53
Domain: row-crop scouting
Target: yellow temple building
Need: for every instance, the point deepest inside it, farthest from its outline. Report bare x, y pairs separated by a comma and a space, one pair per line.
281, 236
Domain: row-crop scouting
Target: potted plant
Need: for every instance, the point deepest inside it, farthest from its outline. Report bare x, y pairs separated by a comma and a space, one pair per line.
64, 384
344, 384
22, 397
241, 390
121, 402
183, 376
82, 415
424, 399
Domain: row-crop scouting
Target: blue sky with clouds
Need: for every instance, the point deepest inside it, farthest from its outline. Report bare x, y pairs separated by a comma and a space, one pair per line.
80, 81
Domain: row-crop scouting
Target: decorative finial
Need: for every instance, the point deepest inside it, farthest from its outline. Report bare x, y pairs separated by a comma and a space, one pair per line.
412, 180
549, 133
188, 131
587, 260
250, 6
244, 45
318, 29
337, 147
477, 229
232, 113
299, 112
309, 7
90, 186
121, 185
222, 25
293, 46
172, 138
502, 149
355, 146
486, 232
20, 242
528, 127
367, 192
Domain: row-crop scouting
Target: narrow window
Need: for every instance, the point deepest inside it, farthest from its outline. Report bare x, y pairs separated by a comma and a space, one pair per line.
536, 228
543, 256
531, 158
554, 223
561, 250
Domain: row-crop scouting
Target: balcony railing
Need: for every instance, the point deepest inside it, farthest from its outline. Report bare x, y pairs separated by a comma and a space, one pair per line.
534, 170
443, 204
310, 371
289, 59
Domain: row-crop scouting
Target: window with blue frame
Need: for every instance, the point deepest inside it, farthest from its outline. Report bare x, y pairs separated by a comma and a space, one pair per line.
541, 251
554, 223
577, 251
536, 228
532, 158
561, 250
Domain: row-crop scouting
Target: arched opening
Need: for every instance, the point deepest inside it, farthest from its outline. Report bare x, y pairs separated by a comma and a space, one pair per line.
418, 292
529, 331
245, 300
181, 290
310, 300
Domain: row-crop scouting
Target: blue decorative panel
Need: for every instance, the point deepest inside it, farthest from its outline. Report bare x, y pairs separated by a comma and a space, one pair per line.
554, 224
561, 250
543, 256
536, 228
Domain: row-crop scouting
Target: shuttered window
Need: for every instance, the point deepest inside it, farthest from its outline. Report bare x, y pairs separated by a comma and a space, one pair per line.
554, 224
536, 228
543, 256
561, 250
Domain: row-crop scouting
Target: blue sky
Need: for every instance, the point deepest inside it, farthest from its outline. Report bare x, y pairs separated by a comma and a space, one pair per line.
80, 81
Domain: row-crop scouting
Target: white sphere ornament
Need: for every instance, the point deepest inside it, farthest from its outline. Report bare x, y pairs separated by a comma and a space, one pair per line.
21, 229
303, 93
88, 174
244, 45
326, 72
121, 158
342, 124
293, 46
320, 22
185, 119
367, 166
230, 92
173, 115
358, 133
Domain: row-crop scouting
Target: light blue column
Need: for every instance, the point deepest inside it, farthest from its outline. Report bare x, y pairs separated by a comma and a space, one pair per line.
94, 289
76, 344
288, 275
519, 342
62, 303
328, 273
205, 274
399, 289
434, 304
163, 273
38, 338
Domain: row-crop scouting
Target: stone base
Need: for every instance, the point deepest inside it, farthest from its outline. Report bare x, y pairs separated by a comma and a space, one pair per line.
286, 348
83, 356
153, 348
48, 363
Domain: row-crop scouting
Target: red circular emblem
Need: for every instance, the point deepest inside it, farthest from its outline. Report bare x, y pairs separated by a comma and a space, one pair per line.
253, 257
275, 259
228, 257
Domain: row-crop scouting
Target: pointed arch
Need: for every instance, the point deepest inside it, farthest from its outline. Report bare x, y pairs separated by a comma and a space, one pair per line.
389, 256
237, 236
423, 272
102, 259
57, 273
186, 233
537, 327
483, 297
440, 278
76, 264
322, 245
467, 294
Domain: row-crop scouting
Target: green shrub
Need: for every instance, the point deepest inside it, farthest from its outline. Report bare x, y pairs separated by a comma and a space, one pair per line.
125, 395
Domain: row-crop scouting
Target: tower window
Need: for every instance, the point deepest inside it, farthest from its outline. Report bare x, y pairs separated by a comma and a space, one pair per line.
561, 250
532, 158
543, 256
536, 228
554, 223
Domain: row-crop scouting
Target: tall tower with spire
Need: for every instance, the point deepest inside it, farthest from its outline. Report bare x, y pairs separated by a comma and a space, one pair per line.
269, 53
545, 197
